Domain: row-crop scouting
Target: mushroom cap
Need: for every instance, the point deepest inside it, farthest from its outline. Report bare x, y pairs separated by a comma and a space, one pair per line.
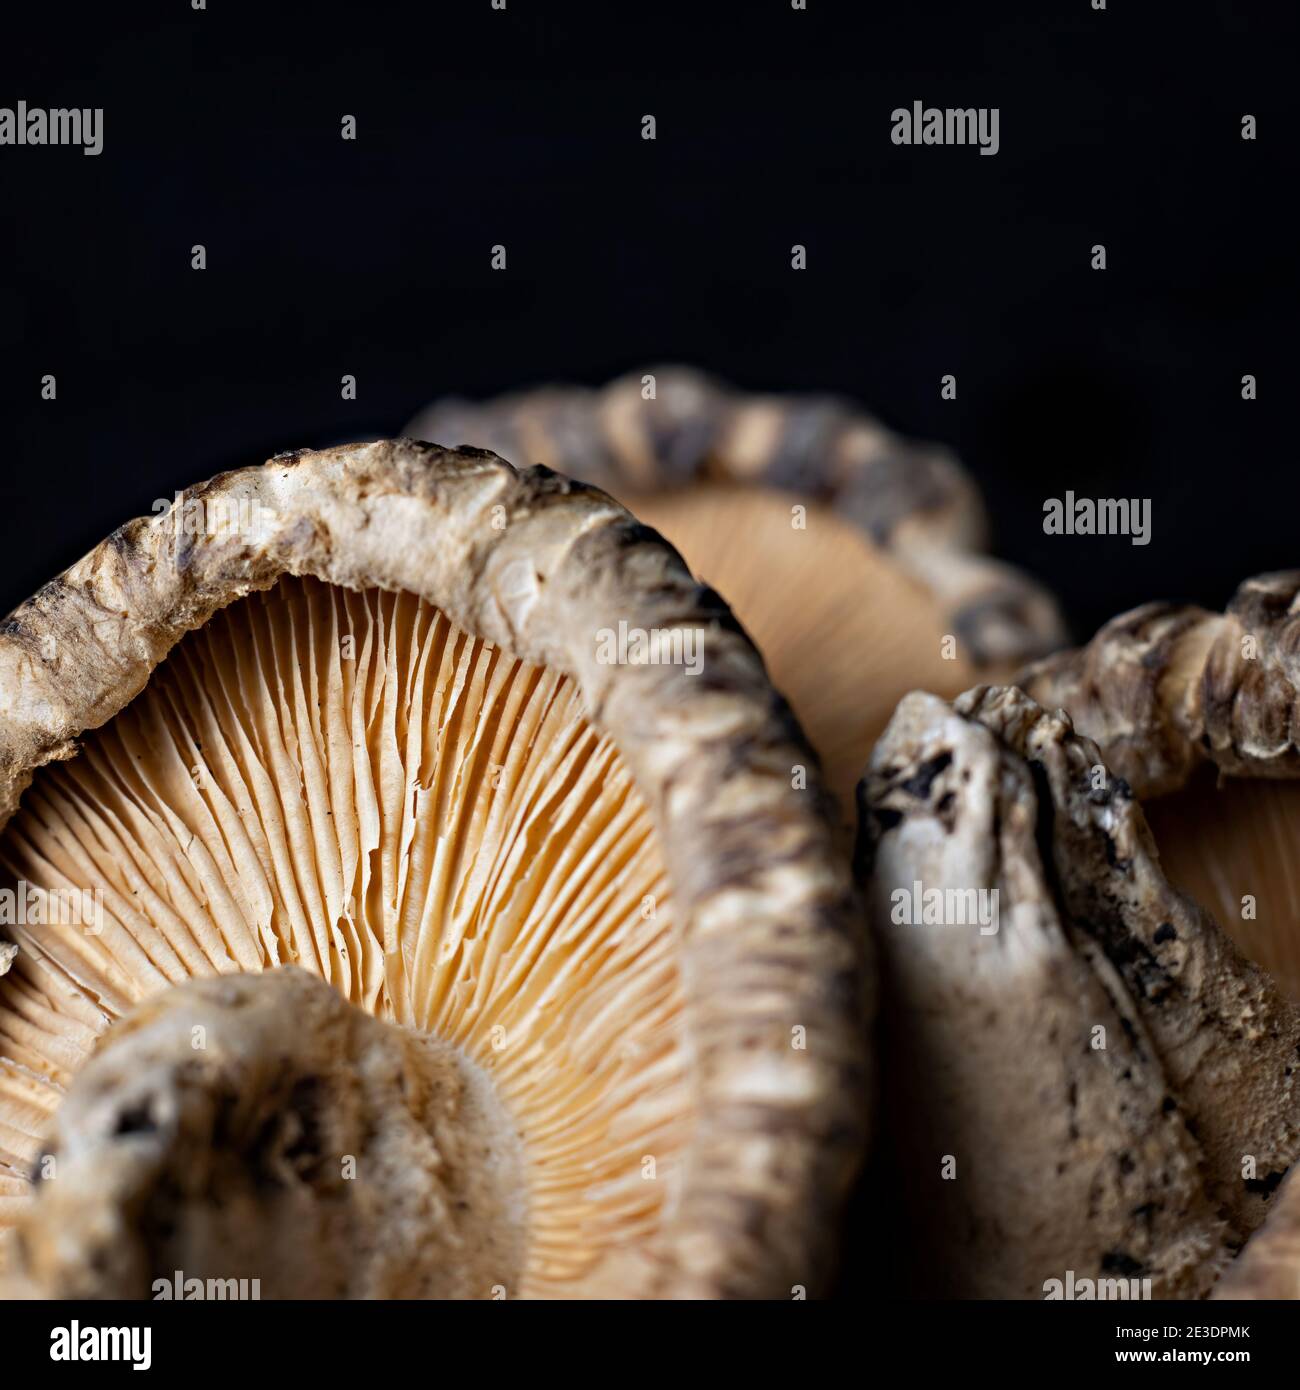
1200, 713
764, 927
830, 535
1115, 1084
1165, 688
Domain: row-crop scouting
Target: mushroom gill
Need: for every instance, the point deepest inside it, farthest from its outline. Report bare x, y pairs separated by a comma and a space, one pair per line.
345, 782
595, 896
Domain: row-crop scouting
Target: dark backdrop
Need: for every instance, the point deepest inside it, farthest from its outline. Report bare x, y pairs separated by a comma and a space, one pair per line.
523, 127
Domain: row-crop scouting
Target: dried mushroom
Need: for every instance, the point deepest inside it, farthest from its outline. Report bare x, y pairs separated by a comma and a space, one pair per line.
1200, 713
579, 1005
1086, 1079
828, 534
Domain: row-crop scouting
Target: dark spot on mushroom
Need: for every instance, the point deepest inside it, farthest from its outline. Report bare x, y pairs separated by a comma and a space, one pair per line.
307, 1100
920, 782
136, 1119
1267, 1185
1141, 970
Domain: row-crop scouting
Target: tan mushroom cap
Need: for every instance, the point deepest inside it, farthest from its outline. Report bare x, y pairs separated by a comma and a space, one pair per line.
830, 535
1115, 1089
1200, 711
366, 722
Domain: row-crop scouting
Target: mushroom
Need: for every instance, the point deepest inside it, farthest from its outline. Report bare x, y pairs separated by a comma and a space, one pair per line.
1100, 1087
1113, 1073
830, 535
418, 890
1198, 711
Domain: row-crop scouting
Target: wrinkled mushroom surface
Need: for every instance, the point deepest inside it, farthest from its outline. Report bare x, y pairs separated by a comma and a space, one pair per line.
303, 1144
367, 723
1099, 1086
1199, 712
830, 535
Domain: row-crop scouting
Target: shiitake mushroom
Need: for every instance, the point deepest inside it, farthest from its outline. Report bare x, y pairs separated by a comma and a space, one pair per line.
589, 1007
1108, 1083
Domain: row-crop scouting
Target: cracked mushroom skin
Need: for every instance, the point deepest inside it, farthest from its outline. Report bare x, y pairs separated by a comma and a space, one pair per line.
593, 942
829, 534
1198, 711
1102, 1084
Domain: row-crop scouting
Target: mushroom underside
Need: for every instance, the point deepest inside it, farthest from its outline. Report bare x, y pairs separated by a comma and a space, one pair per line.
345, 782
814, 593
1233, 845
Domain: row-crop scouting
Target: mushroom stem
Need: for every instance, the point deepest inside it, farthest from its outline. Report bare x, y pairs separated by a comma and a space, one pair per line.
260, 1127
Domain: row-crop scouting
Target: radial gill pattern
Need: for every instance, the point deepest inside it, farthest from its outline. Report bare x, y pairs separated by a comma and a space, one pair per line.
347, 782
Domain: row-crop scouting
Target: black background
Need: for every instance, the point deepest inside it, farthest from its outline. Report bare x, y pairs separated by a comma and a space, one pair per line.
522, 127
